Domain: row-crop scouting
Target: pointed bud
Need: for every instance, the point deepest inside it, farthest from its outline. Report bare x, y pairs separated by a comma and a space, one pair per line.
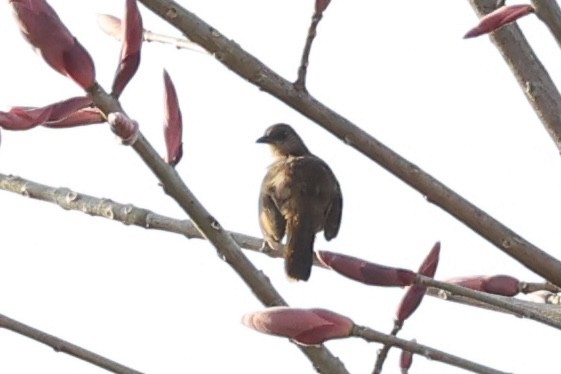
415, 293
124, 127
321, 5
130, 53
498, 284
366, 272
173, 123
405, 361
42, 28
498, 18
305, 326
24, 118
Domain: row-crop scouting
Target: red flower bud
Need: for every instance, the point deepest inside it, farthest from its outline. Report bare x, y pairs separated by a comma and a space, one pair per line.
43, 29
415, 293
24, 118
173, 123
498, 18
130, 53
497, 284
321, 5
305, 326
366, 272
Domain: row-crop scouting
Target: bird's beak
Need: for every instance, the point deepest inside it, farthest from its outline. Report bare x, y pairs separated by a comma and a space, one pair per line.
264, 139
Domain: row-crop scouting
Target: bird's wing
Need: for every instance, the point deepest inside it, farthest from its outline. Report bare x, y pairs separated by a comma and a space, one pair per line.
271, 220
333, 214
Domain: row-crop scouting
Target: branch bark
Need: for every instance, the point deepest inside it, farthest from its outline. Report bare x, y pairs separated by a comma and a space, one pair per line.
60, 345
247, 66
371, 335
533, 78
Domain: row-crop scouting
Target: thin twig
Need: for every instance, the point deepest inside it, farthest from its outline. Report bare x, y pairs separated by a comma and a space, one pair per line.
432, 354
221, 239
513, 305
60, 345
179, 43
383, 353
253, 70
300, 83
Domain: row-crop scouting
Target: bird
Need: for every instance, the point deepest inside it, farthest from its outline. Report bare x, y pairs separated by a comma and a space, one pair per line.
300, 196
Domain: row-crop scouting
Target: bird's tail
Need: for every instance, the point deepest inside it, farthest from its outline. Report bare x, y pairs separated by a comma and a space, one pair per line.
300, 249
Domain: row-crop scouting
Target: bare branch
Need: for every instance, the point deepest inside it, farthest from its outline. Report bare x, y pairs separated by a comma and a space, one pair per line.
531, 75
60, 345
250, 68
432, 354
550, 13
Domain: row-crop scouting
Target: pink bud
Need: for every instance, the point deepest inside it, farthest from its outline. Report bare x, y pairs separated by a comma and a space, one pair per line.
305, 326
130, 53
429, 265
366, 272
405, 361
24, 118
497, 284
321, 5
110, 25
43, 29
124, 127
415, 293
173, 123
498, 18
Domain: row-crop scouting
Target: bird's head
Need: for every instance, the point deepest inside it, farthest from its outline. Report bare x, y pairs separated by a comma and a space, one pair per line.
284, 141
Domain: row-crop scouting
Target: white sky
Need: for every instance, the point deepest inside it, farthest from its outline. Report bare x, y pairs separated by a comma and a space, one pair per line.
162, 304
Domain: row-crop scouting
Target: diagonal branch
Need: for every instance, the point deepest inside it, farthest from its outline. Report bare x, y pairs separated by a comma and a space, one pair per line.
550, 13
253, 70
221, 239
534, 80
60, 345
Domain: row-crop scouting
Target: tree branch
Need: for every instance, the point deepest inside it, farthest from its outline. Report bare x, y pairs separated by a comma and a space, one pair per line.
371, 335
221, 239
534, 80
550, 14
250, 68
60, 345
147, 219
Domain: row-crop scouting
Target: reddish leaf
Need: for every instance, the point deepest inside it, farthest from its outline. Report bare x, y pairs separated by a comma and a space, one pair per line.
24, 118
124, 127
321, 5
305, 326
498, 18
130, 53
415, 293
173, 123
366, 272
43, 29
497, 284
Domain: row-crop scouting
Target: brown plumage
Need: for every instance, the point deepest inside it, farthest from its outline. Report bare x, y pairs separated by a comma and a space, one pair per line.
299, 197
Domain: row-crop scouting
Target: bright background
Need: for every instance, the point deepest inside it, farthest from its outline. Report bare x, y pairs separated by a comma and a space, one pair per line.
162, 304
